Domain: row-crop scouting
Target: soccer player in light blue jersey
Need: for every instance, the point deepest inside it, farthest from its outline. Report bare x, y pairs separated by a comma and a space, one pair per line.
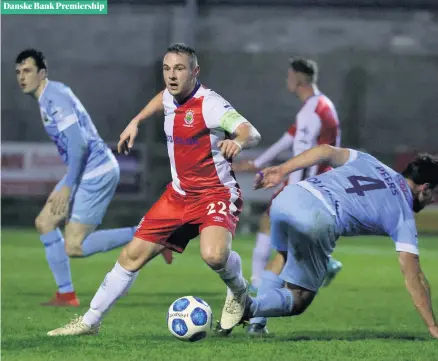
362, 196
85, 192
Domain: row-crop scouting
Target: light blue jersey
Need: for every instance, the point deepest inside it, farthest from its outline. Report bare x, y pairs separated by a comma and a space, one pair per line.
60, 109
92, 170
368, 197
362, 197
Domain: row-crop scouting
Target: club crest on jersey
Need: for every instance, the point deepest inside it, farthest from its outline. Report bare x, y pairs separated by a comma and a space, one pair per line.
189, 118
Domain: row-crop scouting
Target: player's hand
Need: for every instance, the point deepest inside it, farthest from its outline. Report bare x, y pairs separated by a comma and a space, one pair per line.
60, 202
127, 138
269, 177
434, 331
244, 166
229, 148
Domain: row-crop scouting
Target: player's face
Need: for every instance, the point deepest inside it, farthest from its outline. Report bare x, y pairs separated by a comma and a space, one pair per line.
179, 74
424, 198
28, 76
292, 81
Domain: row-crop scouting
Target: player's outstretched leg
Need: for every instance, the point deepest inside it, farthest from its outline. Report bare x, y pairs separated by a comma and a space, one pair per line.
215, 251
106, 240
291, 300
81, 241
116, 283
333, 268
270, 280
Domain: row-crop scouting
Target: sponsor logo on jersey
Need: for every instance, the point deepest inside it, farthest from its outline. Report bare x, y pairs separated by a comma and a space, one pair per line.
181, 140
218, 219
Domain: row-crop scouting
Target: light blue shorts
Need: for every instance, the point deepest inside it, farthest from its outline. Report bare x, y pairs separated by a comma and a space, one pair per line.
304, 228
91, 198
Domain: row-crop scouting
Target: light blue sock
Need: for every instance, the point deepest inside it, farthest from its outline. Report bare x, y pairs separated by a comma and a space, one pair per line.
58, 260
106, 240
275, 303
269, 281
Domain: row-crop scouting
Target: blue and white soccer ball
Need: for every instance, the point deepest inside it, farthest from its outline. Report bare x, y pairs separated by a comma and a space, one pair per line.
189, 318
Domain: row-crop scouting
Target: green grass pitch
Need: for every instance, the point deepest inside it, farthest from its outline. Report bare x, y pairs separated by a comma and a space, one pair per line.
366, 314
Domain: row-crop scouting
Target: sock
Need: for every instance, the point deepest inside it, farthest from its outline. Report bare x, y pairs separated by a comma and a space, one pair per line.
232, 275
106, 240
260, 257
274, 303
269, 281
58, 260
116, 283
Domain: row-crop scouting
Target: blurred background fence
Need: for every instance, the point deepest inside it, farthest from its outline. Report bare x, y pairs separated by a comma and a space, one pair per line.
378, 63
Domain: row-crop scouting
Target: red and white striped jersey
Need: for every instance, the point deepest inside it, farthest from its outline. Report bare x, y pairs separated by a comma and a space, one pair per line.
316, 123
193, 130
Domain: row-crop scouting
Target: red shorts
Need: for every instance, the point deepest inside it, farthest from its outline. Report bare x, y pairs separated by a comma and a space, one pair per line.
176, 219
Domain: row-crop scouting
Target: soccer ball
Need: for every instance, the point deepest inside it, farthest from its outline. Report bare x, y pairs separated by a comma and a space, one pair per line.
189, 318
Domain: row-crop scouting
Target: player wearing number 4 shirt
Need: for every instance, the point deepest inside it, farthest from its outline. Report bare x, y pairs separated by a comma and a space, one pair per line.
203, 133
361, 196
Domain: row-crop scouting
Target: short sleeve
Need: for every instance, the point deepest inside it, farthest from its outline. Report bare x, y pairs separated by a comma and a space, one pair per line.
406, 237
218, 113
353, 155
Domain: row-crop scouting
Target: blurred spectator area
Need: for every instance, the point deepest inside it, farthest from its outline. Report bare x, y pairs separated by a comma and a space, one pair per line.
378, 63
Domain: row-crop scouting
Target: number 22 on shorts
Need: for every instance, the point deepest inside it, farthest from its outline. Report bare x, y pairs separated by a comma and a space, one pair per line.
221, 205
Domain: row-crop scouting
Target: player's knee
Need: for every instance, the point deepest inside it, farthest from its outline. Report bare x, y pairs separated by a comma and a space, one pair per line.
137, 253
44, 224
73, 247
216, 259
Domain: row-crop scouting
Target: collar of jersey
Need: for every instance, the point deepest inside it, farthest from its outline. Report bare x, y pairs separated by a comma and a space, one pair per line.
317, 93
190, 96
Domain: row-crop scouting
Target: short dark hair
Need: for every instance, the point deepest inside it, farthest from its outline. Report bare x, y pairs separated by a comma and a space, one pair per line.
181, 48
36, 55
307, 67
423, 169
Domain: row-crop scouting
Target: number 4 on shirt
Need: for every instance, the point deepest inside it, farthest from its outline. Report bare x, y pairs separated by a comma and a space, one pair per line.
363, 184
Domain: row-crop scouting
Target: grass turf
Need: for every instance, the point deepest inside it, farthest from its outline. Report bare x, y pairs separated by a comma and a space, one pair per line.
366, 314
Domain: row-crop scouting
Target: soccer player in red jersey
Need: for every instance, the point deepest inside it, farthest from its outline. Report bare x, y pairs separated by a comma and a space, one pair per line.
204, 133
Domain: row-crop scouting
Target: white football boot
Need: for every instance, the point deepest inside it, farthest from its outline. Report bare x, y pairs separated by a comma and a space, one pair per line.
234, 308
75, 328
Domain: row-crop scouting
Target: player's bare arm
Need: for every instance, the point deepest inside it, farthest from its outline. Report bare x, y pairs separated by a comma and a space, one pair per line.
419, 289
323, 153
282, 144
154, 106
128, 136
